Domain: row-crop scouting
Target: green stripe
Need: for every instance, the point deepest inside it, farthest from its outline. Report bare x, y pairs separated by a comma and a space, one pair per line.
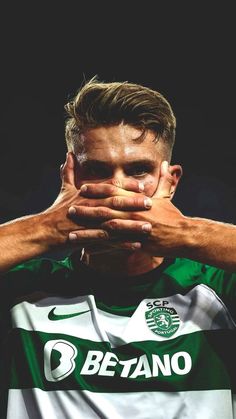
213, 365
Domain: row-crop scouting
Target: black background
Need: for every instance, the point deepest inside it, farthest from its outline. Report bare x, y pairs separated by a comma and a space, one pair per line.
186, 50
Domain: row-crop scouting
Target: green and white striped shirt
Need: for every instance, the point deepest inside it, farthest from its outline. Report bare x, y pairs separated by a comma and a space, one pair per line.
76, 344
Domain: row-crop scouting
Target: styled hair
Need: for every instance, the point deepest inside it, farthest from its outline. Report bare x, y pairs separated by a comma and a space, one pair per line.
103, 104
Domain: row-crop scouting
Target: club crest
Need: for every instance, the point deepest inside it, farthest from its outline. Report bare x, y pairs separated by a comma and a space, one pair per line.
163, 321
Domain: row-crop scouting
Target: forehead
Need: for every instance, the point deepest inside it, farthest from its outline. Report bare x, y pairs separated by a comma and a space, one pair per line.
117, 142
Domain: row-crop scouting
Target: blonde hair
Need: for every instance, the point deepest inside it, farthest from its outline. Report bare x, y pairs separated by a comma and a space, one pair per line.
102, 104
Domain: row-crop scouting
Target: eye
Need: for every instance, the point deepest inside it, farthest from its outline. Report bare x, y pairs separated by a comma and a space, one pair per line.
137, 171
97, 173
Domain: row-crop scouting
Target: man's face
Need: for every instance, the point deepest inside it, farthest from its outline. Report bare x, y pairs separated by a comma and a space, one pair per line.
108, 153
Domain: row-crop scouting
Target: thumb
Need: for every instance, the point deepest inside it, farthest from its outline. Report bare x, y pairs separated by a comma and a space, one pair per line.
165, 182
67, 170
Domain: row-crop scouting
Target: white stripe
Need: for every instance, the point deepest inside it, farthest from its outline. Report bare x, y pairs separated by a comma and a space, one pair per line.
73, 404
198, 310
34, 316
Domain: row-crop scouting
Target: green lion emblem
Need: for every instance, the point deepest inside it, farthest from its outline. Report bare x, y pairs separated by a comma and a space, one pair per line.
163, 321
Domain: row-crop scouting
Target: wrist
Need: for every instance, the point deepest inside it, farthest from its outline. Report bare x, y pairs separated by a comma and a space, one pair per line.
53, 229
210, 242
192, 236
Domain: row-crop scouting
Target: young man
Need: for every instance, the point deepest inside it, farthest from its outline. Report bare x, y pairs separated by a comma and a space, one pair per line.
139, 320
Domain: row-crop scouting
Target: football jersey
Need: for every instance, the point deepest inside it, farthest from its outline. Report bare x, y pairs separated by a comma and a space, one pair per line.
79, 344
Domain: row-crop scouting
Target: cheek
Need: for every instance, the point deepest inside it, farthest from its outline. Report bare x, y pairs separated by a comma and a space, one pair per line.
150, 185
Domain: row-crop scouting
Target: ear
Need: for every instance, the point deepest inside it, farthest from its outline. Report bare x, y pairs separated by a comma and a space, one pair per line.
168, 180
176, 172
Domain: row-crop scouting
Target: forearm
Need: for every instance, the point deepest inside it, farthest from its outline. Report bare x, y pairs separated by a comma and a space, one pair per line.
210, 242
23, 239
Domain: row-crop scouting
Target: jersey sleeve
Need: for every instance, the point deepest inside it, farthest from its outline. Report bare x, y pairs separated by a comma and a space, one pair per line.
37, 275
222, 282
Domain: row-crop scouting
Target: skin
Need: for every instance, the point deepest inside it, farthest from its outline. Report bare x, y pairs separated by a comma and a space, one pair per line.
111, 156
112, 211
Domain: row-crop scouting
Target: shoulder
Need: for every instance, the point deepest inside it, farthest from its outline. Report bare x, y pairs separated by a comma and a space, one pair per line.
35, 274
189, 273
39, 266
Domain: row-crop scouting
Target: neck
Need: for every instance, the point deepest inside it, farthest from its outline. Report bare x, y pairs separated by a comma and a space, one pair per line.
120, 263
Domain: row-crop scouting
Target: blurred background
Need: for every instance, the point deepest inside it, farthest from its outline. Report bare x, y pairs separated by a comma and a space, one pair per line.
184, 49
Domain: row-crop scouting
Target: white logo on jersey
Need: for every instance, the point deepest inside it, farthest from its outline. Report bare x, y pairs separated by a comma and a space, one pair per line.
62, 352
67, 353
96, 362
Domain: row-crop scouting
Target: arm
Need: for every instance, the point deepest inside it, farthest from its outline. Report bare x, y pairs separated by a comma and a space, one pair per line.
172, 234
22, 239
210, 242
31, 236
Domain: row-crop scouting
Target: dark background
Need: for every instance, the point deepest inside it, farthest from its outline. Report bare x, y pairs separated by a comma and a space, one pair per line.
186, 50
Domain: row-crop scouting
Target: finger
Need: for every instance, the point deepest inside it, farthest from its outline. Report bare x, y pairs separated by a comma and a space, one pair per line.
126, 226
86, 235
104, 190
128, 184
138, 202
67, 170
127, 245
81, 214
111, 247
96, 214
165, 182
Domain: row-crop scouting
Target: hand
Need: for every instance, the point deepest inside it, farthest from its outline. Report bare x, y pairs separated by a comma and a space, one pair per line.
163, 231
88, 231
165, 235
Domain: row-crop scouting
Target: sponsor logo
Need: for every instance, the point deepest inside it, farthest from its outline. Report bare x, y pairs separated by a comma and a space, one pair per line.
54, 316
163, 321
61, 352
99, 363
60, 361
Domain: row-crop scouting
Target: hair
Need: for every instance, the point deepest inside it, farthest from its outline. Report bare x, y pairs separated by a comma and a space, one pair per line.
104, 104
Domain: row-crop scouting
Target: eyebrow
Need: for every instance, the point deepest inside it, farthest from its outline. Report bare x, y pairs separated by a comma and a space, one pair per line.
95, 162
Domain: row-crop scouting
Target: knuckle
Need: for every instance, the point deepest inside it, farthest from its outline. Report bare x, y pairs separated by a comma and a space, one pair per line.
137, 201
169, 178
117, 202
102, 235
102, 212
82, 211
113, 189
136, 216
117, 183
132, 185
112, 224
87, 203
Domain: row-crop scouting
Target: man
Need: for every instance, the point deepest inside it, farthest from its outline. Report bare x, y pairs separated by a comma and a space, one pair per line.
139, 320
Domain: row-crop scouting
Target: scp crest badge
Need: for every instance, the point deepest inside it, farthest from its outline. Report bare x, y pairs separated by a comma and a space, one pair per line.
163, 321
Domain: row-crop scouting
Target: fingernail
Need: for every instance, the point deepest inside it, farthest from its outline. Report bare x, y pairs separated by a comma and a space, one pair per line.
72, 210
165, 165
136, 245
141, 187
147, 202
83, 188
72, 236
146, 227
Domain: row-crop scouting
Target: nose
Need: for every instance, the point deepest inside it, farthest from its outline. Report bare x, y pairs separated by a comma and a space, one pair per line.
118, 177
